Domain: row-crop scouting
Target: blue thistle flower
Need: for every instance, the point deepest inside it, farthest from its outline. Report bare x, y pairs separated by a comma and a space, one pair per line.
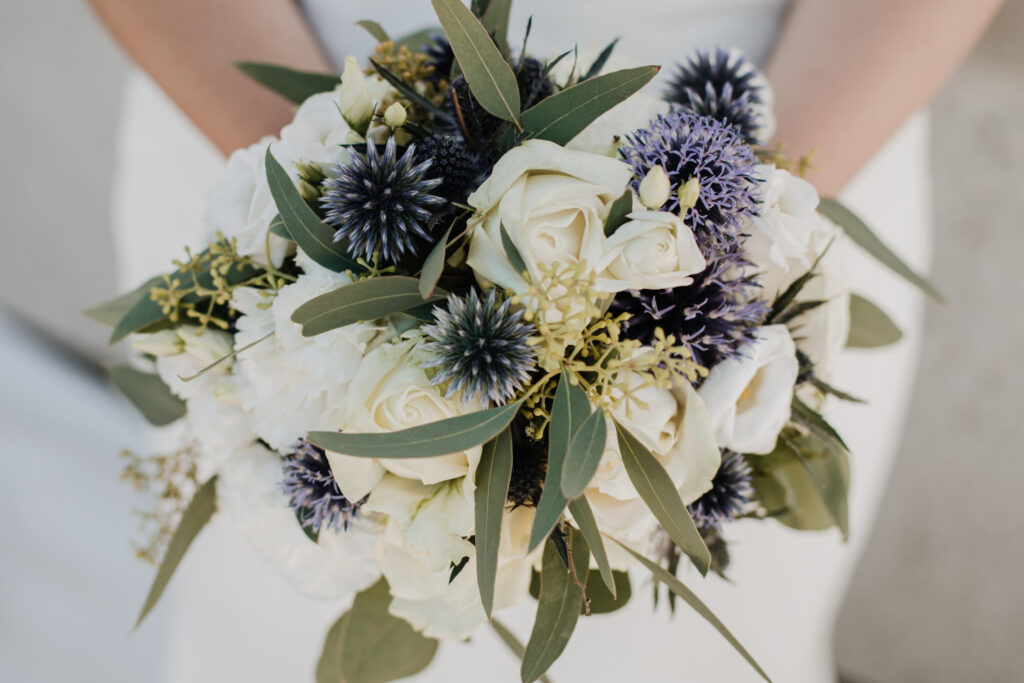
730, 492
313, 492
440, 56
724, 85
481, 348
454, 162
713, 316
382, 203
690, 146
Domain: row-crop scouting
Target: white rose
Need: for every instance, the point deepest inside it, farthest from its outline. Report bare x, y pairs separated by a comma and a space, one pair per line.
240, 206
749, 395
337, 566
653, 250
552, 202
317, 132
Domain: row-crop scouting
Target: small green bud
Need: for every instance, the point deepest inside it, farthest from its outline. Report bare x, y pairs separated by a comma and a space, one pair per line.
689, 193
308, 191
655, 188
395, 116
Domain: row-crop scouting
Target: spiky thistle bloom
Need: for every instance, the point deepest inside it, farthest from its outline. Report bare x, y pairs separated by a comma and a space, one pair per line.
730, 492
313, 492
481, 348
690, 146
454, 162
724, 85
440, 57
382, 203
713, 316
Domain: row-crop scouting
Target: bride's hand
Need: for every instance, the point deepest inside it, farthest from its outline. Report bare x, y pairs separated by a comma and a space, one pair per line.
190, 46
847, 73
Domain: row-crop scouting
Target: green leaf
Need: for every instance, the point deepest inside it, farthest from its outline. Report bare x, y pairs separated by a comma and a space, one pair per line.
144, 313
495, 20
657, 490
603, 601
861, 234
492, 478
446, 436
277, 228
830, 477
515, 259
489, 76
112, 312
303, 225
564, 115
599, 63
408, 92
687, 596
618, 212
148, 394
375, 30
433, 266
416, 40
569, 410
558, 608
870, 327
805, 416
361, 300
291, 84
377, 648
583, 455
512, 642
195, 517
584, 517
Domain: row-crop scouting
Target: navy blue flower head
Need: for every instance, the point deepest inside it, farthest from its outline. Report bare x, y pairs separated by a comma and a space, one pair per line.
382, 204
440, 56
481, 348
713, 316
690, 146
730, 492
454, 162
313, 492
724, 85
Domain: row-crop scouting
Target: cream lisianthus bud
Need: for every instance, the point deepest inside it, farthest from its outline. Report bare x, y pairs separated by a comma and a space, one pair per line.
689, 193
655, 188
356, 103
395, 116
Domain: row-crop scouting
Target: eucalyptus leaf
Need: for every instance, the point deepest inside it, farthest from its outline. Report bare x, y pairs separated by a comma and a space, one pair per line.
328, 667
831, 481
618, 212
408, 92
112, 312
375, 30
277, 228
568, 411
861, 234
558, 608
657, 490
515, 259
368, 299
564, 115
433, 266
296, 86
584, 454
599, 63
195, 517
492, 479
416, 40
687, 596
312, 235
489, 76
446, 436
148, 394
807, 417
870, 327
495, 20
511, 642
585, 520
603, 601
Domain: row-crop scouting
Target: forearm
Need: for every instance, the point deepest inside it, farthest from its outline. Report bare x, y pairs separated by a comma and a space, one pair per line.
190, 47
848, 73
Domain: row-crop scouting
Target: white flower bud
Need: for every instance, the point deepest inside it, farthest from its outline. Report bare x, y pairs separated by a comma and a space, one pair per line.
395, 116
689, 193
356, 103
159, 344
655, 188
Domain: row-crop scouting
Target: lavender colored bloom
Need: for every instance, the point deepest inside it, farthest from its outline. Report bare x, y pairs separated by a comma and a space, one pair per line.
730, 492
724, 85
690, 146
381, 203
313, 492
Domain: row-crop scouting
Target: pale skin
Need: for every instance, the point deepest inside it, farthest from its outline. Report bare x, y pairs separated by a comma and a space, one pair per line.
846, 73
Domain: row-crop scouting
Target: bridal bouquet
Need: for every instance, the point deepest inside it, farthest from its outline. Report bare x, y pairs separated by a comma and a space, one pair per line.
479, 327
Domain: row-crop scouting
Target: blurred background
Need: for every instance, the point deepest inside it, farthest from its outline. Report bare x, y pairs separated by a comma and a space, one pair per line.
937, 596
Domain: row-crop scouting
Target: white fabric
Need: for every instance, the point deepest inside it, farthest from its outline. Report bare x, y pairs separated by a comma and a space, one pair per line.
233, 620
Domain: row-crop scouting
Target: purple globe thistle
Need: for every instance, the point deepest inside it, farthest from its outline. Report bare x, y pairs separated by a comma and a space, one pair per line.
713, 316
724, 85
730, 492
690, 146
480, 347
382, 204
313, 492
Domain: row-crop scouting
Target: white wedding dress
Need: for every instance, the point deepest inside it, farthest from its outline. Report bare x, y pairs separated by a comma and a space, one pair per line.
231, 619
